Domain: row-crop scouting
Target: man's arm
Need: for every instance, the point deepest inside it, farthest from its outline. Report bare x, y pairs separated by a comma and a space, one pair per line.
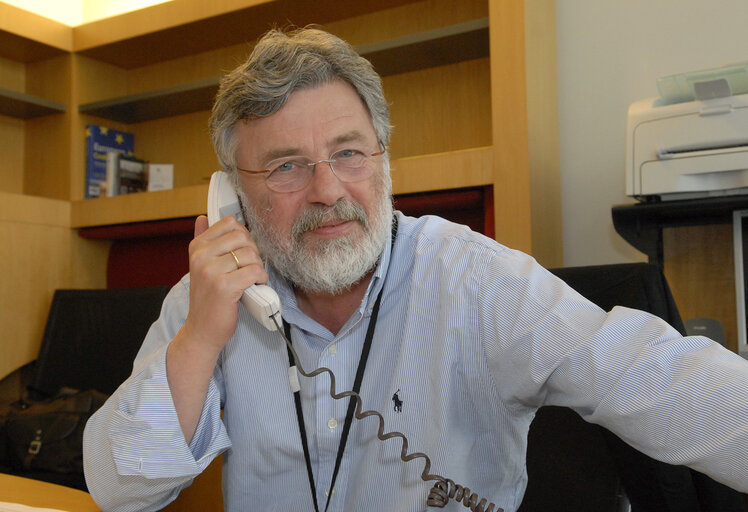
162, 426
682, 400
217, 284
135, 454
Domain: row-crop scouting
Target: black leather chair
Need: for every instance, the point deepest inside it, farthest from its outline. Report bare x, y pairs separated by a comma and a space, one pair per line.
576, 466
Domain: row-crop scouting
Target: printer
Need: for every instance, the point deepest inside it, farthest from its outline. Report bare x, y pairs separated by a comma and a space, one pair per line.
689, 149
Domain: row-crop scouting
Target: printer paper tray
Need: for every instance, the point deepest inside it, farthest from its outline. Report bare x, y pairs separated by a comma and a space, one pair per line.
726, 171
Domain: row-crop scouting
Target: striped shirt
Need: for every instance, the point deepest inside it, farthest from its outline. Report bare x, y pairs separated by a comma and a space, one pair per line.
471, 339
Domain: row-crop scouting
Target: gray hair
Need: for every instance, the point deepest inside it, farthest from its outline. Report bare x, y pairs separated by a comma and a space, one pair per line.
282, 63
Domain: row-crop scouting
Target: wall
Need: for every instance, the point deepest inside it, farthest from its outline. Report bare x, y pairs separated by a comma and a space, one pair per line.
609, 55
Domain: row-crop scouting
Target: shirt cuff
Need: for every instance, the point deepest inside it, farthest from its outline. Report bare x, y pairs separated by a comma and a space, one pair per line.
147, 438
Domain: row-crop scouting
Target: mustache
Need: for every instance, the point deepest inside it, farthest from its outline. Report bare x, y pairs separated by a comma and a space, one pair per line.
315, 216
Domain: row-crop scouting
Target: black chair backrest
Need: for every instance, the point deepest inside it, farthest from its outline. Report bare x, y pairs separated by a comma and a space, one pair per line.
92, 337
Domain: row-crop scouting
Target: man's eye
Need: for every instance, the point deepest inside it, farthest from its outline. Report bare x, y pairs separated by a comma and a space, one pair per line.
347, 153
286, 166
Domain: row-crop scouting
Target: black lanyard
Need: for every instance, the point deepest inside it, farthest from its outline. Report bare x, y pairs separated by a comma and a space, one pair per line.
351, 405
352, 402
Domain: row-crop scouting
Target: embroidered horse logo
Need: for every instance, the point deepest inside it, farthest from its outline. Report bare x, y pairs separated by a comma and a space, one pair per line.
398, 403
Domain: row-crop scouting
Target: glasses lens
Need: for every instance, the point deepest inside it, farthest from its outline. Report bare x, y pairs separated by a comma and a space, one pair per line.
288, 176
350, 165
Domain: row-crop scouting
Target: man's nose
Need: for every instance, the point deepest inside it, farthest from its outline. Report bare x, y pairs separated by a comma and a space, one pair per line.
325, 187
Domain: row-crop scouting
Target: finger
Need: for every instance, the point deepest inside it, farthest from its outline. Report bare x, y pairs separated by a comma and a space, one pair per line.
247, 275
236, 259
245, 256
201, 225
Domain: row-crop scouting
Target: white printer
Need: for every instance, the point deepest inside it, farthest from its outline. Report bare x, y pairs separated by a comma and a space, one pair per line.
687, 150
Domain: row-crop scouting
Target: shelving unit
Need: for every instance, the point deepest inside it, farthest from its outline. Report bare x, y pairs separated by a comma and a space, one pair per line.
434, 44
457, 77
157, 104
26, 38
437, 47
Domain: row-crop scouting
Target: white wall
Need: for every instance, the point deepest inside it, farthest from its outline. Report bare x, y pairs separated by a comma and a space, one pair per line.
610, 52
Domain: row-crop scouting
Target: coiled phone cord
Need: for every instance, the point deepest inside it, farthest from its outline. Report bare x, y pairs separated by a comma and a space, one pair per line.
444, 489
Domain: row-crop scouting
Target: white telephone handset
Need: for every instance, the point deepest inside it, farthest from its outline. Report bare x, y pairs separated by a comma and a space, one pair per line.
261, 300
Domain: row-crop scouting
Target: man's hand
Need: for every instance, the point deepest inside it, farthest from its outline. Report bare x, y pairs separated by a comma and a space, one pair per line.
217, 282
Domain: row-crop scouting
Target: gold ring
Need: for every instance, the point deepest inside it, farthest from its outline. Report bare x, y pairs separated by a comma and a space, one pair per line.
238, 266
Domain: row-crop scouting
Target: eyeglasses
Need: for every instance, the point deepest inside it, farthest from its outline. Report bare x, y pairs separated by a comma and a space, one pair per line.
293, 173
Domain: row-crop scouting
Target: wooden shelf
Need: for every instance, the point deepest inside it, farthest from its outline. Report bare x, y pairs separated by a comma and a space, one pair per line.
457, 169
25, 106
147, 36
157, 104
27, 37
438, 47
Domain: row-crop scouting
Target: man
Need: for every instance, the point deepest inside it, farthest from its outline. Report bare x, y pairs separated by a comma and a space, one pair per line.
469, 336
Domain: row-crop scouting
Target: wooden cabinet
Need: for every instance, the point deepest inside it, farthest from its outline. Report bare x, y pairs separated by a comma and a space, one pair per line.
471, 84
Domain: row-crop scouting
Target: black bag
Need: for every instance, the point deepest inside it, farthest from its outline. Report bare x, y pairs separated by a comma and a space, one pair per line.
48, 436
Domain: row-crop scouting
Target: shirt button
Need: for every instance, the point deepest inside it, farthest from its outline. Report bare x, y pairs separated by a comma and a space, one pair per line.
330, 493
333, 350
332, 423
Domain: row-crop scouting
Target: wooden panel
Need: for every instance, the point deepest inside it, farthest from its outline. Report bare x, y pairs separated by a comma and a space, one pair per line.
699, 266
183, 141
12, 75
457, 169
36, 262
543, 137
97, 81
140, 207
48, 143
509, 125
426, 118
47, 157
12, 136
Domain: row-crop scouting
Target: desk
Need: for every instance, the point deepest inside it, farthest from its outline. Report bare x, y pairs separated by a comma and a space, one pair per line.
35, 493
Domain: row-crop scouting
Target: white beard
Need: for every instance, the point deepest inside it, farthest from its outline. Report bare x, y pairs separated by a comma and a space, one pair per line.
329, 266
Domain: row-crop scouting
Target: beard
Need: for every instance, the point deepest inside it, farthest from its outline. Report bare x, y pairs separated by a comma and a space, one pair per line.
329, 266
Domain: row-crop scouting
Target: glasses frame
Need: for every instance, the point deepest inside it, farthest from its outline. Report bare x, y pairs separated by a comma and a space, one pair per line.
312, 165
